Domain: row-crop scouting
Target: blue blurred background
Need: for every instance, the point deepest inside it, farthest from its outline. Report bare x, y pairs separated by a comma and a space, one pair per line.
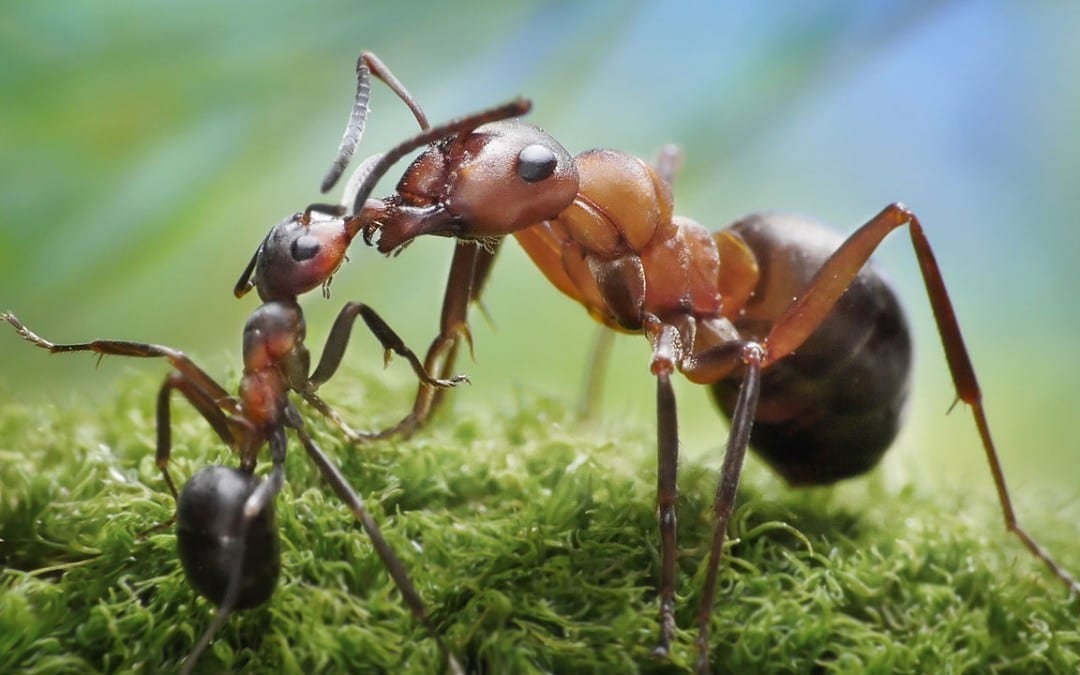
148, 149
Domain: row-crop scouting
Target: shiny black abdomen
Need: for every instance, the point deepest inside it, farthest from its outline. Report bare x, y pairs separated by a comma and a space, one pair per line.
208, 515
830, 410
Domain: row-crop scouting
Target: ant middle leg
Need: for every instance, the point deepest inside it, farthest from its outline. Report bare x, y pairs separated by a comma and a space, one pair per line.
667, 451
222, 424
742, 422
715, 362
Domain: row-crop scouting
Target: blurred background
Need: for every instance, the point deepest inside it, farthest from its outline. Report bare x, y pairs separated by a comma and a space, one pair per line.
148, 149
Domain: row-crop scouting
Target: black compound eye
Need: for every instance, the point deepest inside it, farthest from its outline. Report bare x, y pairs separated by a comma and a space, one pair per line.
304, 247
535, 163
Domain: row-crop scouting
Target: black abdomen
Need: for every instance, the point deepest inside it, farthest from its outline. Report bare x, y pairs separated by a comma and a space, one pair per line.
830, 410
208, 515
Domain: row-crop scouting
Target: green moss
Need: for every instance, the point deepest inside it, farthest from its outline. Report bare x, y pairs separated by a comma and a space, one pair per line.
531, 537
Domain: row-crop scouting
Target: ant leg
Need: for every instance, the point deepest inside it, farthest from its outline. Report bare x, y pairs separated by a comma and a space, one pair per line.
207, 407
334, 351
596, 369
469, 269
829, 283
391, 342
483, 262
201, 401
666, 352
393, 564
742, 421
351, 435
667, 451
177, 358
204, 394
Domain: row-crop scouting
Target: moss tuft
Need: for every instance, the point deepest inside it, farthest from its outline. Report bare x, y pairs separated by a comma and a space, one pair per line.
531, 537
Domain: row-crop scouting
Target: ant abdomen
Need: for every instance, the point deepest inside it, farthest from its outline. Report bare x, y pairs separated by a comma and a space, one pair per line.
209, 514
831, 409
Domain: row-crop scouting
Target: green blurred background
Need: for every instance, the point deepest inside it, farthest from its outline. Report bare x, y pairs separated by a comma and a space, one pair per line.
148, 149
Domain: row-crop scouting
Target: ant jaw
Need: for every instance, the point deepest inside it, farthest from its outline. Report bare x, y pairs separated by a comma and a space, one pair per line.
407, 223
397, 251
367, 220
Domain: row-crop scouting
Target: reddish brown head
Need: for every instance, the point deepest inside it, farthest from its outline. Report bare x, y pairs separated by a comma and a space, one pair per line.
499, 178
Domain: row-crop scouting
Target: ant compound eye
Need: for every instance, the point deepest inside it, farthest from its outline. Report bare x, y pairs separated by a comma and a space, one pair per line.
535, 163
304, 248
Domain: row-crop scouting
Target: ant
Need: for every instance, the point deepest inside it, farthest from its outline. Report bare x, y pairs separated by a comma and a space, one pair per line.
801, 340
227, 542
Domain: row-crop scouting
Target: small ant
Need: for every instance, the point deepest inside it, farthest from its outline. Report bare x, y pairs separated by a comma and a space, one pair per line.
227, 541
801, 340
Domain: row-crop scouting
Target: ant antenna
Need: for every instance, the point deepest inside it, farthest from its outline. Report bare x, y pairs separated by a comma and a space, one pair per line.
367, 64
354, 129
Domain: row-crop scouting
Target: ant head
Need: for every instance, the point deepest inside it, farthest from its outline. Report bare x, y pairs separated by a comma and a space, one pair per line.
304, 250
300, 253
508, 175
489, 182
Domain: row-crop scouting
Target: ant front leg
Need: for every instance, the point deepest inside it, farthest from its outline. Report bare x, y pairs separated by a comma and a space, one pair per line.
666, 346
469, 271
390, 341
829, 283
334, 351
667, 469
204, 394
454, 321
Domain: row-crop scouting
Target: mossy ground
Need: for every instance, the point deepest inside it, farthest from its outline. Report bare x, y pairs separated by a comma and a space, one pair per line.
532, 538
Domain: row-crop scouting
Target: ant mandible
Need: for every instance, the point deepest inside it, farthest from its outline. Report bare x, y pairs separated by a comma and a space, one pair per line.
226, 537
802, 342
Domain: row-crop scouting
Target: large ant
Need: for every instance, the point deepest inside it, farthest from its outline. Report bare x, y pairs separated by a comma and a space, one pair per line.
802, 342
226, 537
